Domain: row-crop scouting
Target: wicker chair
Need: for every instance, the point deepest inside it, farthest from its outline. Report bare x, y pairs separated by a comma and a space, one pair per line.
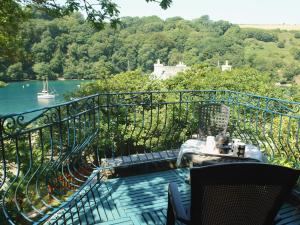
233, 194
213, 119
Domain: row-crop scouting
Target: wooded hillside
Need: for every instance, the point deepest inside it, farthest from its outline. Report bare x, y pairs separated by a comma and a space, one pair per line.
69, 47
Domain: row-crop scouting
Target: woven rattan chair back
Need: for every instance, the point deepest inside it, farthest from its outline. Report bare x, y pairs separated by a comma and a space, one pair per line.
239, 193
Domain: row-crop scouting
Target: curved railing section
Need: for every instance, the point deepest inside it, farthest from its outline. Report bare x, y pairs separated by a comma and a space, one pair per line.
48, 155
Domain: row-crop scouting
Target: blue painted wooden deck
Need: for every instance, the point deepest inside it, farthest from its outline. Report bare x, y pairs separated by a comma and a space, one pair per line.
141, 200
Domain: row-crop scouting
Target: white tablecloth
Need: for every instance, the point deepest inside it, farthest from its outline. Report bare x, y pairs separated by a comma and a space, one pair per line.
197, 146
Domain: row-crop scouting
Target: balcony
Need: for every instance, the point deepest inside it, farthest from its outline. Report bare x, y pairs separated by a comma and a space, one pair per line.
108, 158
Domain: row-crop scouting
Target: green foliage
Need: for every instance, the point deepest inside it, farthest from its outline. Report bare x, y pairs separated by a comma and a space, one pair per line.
132, 127
97, 11
163, 3
297, 35
11, 17
2, 84
43, 70
16, 72
199, 77
260, 35
296, 53
124, 82
16, 40
283, 161
203, 77
291, 71
280, 44
74, 50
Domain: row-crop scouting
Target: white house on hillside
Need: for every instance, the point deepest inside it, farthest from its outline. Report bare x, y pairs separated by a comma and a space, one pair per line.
226, 67
164, 72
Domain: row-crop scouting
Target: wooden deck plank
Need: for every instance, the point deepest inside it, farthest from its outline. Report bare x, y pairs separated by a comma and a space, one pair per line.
142, 199
144, 194
123, 221
140, 158
100, 207
291, 220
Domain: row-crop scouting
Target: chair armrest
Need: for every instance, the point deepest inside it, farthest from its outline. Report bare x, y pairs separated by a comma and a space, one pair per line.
177, 206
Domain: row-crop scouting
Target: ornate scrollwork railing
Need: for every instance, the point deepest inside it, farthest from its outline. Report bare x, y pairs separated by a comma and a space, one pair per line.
47, 155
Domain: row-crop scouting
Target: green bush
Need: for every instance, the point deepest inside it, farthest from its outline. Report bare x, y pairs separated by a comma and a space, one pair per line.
296, 54
291, 71
2, 84
261, 35
280, 44
297, 35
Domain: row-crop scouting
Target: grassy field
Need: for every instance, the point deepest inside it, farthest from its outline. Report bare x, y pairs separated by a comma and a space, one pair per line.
270, 56
272, 26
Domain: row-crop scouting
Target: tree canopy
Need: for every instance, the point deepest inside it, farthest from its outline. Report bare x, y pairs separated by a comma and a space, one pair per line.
14, 12
198, 77
71, 47
97, 11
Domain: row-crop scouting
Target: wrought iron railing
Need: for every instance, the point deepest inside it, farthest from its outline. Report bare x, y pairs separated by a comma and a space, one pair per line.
47, 155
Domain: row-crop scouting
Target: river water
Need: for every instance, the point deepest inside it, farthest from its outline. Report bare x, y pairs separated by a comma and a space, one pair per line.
22, 96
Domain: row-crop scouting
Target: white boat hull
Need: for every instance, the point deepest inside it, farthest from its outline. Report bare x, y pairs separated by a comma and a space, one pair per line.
45, 96
45, 93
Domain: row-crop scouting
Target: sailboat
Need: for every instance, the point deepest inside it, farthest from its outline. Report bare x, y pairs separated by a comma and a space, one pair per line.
45, 94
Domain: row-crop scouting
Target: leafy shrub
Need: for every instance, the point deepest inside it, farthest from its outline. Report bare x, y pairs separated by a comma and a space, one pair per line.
2, 84
297, 35
280, 44
291, 71
261, 35
296, 53
15, 71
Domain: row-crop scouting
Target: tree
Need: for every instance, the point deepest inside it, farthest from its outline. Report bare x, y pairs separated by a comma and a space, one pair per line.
297, 35
15, 71
11, 17
123, 82
43, 50
101, 70
261, 35
97, 11
43, 70
205, 77
175, 57
2, 84
296, 53
280, 44
56, 63
291, 71
75, 49
14, 12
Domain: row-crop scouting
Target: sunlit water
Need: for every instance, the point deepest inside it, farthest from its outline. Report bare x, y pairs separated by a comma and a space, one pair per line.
22, 96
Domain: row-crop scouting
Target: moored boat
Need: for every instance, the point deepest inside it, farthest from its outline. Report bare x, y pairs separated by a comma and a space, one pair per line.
45, 94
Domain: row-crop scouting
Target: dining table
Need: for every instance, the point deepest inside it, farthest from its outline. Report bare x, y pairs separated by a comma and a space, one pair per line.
196, 152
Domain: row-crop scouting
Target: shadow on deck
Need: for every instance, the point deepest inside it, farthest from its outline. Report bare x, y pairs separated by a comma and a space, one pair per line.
141, 199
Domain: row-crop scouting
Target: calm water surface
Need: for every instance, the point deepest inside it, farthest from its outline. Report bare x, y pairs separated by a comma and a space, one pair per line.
22, 96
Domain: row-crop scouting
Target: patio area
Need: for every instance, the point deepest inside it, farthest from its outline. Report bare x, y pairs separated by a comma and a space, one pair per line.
140, 199
87, 161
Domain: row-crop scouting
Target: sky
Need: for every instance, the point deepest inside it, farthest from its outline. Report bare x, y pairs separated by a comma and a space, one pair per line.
234, 11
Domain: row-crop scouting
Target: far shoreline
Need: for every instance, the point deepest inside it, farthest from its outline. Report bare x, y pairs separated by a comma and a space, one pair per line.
2, 84
288, 27
59, 79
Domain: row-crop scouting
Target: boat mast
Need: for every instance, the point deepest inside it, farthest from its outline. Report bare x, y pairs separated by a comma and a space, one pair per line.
44, 86
47, 84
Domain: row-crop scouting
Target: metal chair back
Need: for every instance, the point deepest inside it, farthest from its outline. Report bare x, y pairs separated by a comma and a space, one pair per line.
213, 119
